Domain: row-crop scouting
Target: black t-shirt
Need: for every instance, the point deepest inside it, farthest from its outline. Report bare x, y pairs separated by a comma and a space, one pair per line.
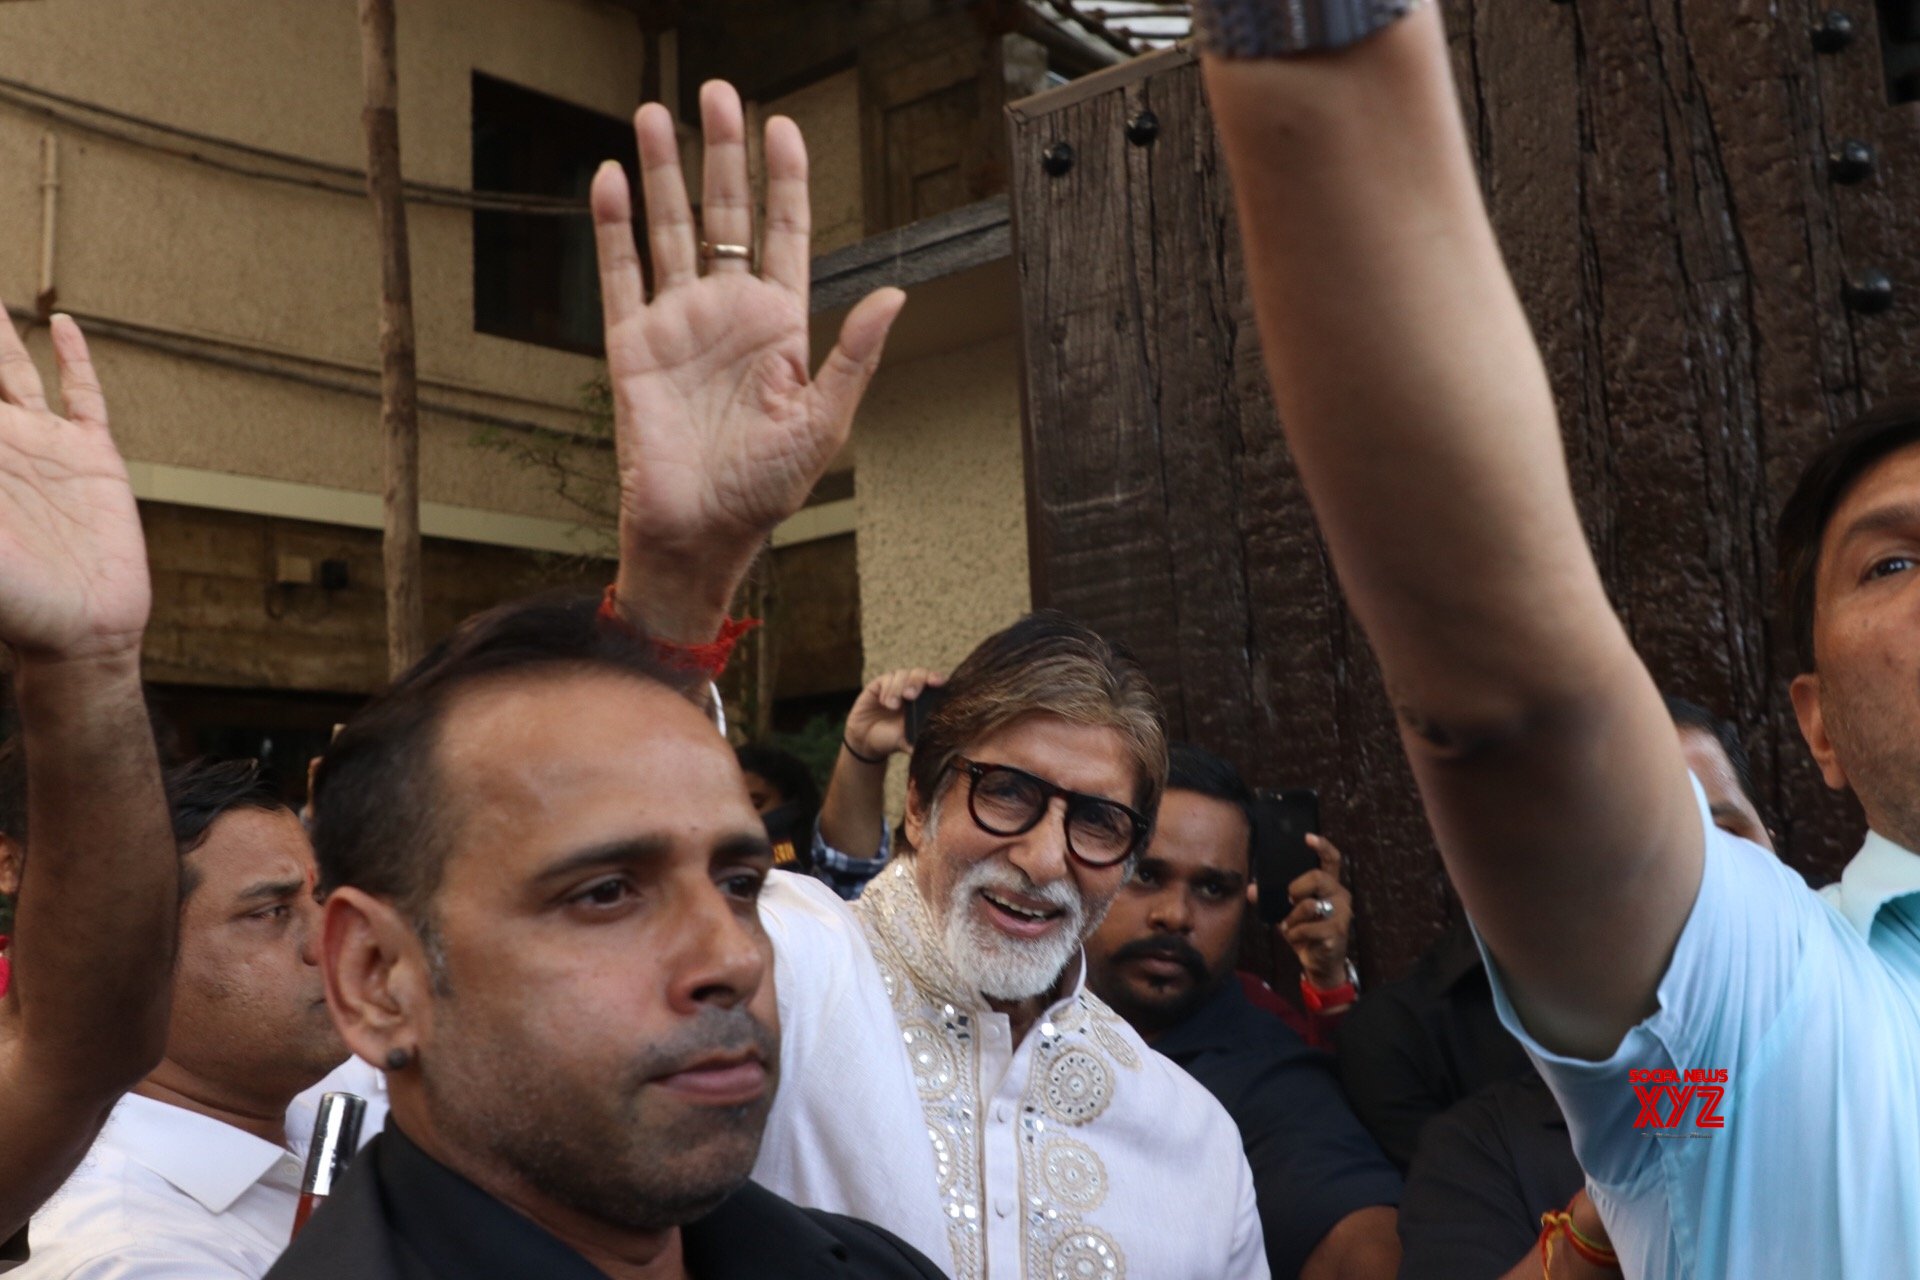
399, 1214
1411, 1049
1313, 1163
1486, 1170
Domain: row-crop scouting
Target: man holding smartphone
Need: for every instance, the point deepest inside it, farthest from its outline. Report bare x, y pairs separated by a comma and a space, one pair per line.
1165, 960
884, 721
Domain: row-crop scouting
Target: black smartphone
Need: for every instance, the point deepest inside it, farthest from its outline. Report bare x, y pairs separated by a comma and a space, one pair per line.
918, 709
1282, 821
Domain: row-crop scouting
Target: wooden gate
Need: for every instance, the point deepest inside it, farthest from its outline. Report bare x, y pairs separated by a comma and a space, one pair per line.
1710, 209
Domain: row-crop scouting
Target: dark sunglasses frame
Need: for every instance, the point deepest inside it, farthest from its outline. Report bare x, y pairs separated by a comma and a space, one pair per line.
1078, 802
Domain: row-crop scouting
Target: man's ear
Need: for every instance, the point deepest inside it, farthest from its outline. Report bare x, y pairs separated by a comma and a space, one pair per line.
1805, 691
379, 987
916, 816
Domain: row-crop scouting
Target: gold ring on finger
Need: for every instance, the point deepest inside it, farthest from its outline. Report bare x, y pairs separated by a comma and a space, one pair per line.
726, 252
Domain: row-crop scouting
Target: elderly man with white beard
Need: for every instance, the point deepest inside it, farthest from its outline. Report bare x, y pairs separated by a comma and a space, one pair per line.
946, 1071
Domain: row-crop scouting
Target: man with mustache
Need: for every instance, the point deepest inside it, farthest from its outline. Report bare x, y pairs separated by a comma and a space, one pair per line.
542, 875
944, 1070
197, 1171
948, 1070
1165, 959
542, 871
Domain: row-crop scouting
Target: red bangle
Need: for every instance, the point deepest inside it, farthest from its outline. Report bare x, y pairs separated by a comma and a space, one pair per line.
709, 659
1319, 1001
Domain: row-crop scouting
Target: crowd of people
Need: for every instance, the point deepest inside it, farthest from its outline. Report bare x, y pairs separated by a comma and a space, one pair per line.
625, 1002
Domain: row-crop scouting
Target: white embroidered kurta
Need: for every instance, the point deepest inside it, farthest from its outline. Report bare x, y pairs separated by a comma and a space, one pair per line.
1078, 1154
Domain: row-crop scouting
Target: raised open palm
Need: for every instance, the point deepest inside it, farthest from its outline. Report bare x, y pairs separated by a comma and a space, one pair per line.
722, 430
73, 562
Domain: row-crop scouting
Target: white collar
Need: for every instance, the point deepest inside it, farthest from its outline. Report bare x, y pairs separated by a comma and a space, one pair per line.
208, 1159
1879, 873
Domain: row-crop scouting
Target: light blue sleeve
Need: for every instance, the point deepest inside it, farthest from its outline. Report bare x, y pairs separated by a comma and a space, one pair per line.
1755, 938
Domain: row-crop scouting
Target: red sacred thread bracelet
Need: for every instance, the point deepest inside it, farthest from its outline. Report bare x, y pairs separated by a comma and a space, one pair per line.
1560, 1222
709, 659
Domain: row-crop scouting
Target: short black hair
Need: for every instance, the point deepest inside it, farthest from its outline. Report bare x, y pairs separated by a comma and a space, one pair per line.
1829, 476
786, 771
202, 792
1691, 715
378, 823
1195, 769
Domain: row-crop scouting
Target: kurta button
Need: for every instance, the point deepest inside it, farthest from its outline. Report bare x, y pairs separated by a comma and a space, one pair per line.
1000, 1112
1002, 1207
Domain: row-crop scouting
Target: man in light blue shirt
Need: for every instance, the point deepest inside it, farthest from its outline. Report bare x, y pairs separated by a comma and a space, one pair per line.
1739, 1060
1809, 1003
1803, 1158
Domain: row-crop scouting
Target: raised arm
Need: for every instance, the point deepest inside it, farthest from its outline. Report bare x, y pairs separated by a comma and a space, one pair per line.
853, 818
94, 926
1417, 408
722, 429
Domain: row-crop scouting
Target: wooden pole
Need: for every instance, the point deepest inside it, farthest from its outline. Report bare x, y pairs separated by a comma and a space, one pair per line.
399, 391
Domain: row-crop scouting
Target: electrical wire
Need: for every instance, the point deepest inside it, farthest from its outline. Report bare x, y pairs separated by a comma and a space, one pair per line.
316, 175
204, 351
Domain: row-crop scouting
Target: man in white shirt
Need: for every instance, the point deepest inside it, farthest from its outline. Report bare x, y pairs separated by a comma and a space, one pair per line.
1028, 1129
85, 1014
945, 1073
197, 1172
1735, 1058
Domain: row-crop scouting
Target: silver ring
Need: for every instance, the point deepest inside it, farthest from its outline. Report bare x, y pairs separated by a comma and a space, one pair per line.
1323, 907
711, 252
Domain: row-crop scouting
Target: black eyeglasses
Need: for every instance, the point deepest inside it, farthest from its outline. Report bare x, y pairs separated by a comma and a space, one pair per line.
1006, 801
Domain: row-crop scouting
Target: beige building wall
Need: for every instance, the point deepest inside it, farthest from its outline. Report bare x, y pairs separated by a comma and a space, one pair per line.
290, 275
828, 113
940, 503
281, 272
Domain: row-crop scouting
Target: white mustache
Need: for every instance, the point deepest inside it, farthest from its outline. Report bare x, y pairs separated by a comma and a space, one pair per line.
1010, 880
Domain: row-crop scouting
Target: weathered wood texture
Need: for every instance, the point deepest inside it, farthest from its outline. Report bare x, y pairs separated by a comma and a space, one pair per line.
1658, 174
934, 76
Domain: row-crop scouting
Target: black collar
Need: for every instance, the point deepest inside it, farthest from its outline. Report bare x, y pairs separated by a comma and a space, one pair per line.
459, 1231
755, 1234
462, 1233
1225, 1020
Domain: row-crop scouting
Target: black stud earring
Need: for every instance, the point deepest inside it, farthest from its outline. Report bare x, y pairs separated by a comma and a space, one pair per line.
399, 1059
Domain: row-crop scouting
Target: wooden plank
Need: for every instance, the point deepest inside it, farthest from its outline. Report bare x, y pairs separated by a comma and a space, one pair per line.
1114, 79
1100, 497
929, 249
